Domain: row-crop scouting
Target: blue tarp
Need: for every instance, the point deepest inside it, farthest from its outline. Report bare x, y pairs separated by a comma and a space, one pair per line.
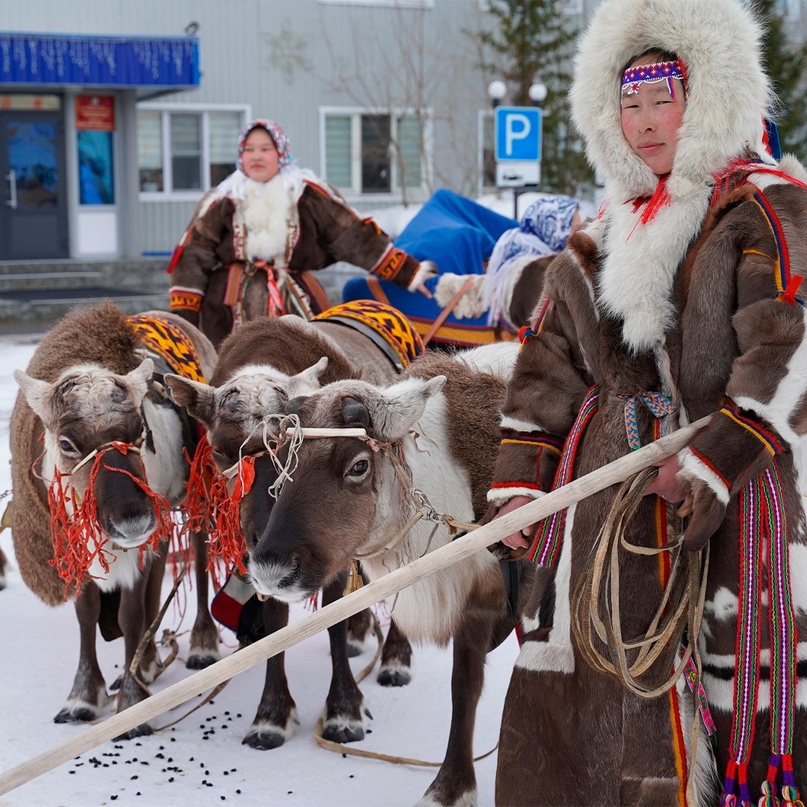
100, 61
456, 233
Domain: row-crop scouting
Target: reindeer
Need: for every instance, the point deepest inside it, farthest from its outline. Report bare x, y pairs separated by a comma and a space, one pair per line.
261, 366
429, 447
99, 456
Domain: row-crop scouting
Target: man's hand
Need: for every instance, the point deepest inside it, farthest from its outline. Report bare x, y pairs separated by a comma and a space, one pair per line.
522, 538
666, 483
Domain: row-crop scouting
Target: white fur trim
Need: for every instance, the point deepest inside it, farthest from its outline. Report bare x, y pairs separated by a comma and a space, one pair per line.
694, 468
470, 304
426, 270
503, 495
556, 654
517, 425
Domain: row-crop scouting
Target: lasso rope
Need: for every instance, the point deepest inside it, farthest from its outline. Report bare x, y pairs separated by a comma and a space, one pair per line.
598, 613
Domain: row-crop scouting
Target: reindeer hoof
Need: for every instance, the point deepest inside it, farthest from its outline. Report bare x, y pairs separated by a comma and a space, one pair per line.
264, 739
198, 661
394, 676
143, 730
341, 732
76, 714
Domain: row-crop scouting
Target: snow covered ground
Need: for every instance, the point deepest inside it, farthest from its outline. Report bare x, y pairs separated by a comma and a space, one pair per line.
201, 761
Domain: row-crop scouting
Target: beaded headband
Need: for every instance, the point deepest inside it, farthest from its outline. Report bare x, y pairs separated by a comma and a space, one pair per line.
633, 77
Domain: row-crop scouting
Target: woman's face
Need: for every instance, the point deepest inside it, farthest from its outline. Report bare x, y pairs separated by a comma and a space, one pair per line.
259, 158
651, 118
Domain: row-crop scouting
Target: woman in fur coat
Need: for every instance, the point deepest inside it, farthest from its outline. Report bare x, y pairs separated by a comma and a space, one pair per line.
683, 298
255, 236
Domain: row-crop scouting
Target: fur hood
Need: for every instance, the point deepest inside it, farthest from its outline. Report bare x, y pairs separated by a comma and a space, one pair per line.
729, 93
728, 97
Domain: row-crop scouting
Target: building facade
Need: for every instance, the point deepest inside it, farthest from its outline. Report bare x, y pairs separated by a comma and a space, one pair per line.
384, 98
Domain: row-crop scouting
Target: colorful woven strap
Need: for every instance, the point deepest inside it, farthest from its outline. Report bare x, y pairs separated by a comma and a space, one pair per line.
657, 404
763, 519
545, 549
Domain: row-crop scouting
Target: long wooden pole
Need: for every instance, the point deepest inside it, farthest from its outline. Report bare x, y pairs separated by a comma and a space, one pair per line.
160, 702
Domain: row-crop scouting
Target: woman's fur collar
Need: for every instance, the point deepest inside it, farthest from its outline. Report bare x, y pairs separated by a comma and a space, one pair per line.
729, 95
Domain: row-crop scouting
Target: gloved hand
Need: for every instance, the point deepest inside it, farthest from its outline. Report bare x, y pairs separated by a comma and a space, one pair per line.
706, 513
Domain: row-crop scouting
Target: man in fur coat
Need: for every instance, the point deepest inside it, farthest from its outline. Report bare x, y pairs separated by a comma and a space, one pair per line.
254, 235
684, 298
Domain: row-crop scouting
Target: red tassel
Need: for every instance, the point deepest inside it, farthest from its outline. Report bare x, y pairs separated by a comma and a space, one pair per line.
78, 538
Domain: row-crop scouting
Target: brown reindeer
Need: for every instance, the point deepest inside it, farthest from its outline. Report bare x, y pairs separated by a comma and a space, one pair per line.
99, 456
430, 444
261, 366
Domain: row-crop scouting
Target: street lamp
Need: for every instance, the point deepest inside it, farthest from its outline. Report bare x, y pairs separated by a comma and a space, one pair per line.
537, 92
496, 91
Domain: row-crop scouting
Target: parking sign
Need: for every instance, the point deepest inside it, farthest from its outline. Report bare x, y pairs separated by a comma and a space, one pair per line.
518, 133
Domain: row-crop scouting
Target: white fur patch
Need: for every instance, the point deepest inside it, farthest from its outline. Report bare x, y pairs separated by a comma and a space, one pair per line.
124, 568
792, 388
694, 468
498, 359
556, 654
516, 425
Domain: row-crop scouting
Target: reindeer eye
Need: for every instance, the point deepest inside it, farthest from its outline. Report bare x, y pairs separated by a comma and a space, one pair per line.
66, 447
359, 468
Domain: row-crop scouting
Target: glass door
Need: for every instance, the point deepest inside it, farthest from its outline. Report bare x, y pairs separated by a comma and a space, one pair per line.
33, 209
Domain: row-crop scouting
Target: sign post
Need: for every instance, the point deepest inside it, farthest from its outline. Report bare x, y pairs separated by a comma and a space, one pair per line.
518, 148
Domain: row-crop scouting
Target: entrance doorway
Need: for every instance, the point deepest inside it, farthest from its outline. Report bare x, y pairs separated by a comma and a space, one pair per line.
33, 196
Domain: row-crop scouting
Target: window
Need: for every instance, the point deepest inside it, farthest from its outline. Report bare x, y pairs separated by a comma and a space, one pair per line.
375, 152
95, 168
184, 149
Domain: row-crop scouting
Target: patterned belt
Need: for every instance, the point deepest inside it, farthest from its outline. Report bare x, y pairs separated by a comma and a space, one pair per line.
658, 404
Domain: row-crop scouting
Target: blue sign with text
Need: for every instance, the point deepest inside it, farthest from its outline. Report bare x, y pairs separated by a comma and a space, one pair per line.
518, 133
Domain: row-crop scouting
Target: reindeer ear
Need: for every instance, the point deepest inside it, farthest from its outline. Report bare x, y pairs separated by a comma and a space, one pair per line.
37, 393
399, 406
138, 380
307, 381
199, 399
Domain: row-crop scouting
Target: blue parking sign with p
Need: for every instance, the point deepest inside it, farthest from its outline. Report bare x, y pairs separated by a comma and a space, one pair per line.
518, 133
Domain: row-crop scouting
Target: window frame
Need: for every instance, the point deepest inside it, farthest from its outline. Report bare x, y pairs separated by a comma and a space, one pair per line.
165, 111
355, 113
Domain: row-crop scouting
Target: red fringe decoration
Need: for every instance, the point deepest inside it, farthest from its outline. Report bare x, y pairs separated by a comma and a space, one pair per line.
227, 542
78, 538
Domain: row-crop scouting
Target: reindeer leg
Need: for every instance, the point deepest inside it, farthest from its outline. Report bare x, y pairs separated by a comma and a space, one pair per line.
396, 659
346, 715
455, 783
132, 618
88, 695
150, 663
277, 712
204, 649
359, 632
